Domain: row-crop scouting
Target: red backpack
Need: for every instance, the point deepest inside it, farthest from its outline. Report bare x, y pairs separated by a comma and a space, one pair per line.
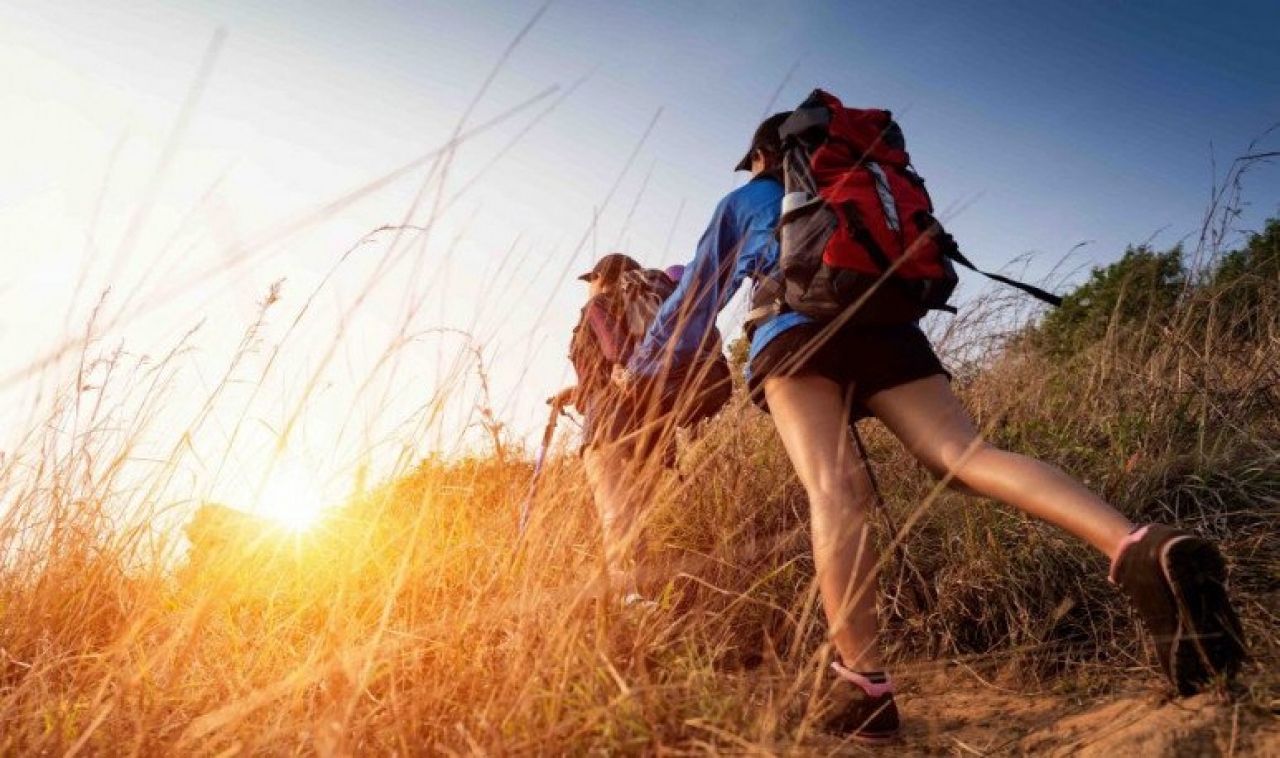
858, 236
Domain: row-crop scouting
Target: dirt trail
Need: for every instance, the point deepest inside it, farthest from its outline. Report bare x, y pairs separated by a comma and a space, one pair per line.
956, 714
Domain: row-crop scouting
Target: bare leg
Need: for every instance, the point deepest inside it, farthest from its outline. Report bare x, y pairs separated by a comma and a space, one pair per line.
621, 488
926, 416
812, 421
608, 473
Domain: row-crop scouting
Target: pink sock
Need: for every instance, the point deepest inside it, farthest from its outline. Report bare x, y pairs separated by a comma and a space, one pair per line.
873, 689
1135, 536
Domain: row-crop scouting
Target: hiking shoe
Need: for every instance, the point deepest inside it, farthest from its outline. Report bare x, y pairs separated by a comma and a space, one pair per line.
862, 707
636, 601
1177, 582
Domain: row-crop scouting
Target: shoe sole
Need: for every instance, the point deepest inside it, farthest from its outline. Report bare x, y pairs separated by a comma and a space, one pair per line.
867, 739
1208, 639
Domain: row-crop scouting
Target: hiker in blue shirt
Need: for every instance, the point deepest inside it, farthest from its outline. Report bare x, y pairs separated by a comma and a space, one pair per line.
815, 384
738, 242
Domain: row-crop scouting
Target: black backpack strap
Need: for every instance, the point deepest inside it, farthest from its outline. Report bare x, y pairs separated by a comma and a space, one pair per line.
954, 254
766, 301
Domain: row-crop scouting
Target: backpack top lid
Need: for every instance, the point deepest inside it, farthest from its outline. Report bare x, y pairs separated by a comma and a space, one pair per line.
645, 282
869, 134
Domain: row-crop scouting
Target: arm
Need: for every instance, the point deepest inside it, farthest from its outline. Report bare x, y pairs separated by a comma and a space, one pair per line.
688, 315
566, 396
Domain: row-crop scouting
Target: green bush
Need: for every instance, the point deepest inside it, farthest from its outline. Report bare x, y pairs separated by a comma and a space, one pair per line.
1245, 281
1138, 290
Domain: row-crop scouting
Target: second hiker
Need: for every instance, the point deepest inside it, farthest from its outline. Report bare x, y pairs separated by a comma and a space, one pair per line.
629, 437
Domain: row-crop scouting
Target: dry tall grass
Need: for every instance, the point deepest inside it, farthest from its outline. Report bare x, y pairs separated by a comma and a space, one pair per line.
411, 621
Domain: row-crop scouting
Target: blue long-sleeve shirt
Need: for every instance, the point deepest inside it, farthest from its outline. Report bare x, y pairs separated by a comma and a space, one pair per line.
739, 242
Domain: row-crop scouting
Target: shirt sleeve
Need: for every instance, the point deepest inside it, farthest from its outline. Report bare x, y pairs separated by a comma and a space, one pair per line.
686, 318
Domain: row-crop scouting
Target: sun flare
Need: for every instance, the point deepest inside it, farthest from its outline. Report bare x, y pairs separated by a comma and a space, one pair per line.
292, 499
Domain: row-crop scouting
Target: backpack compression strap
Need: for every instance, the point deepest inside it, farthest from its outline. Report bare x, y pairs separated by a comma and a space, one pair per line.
769, 292
1031, 290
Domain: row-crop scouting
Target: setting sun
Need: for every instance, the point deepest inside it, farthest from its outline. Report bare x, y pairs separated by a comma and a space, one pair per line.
291, 498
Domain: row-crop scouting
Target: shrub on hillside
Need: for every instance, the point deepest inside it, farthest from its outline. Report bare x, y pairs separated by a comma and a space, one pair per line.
1139, 289
1245, 282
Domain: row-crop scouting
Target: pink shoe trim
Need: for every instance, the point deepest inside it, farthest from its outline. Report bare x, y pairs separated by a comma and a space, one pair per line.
873, 689
1135, 536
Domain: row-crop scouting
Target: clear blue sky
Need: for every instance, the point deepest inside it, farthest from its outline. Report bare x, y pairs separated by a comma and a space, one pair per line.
1084, 120
1038, 125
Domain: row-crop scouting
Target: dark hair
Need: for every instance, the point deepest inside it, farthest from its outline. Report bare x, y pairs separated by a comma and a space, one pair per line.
765, 139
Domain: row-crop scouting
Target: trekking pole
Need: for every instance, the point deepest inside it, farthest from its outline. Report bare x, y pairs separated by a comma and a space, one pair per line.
899, 550
547, 434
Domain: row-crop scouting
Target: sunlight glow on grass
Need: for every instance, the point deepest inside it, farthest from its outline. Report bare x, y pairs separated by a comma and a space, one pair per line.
291, 498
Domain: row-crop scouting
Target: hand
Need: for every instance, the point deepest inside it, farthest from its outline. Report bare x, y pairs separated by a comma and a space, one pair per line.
566, 396
623, 379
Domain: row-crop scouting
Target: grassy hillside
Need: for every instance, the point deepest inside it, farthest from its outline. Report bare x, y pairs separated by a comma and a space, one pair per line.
412, 621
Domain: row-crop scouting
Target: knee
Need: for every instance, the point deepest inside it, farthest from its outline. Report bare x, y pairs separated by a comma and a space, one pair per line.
840, 495
838, 521
607, 461
955, 461
595, 459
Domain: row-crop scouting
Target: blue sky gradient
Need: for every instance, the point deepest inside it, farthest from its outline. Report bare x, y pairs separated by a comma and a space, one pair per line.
1039, 126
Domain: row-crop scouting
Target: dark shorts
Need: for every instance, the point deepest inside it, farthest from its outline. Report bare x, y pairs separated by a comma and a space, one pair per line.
632, 429
864, 360
607, 419
644, 424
